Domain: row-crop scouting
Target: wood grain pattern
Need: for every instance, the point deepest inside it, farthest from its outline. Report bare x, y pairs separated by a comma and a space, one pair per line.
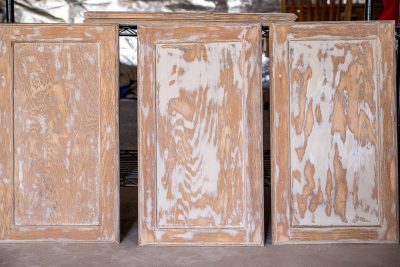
56, 136
334, 115
160, 18
200, 136
60, 167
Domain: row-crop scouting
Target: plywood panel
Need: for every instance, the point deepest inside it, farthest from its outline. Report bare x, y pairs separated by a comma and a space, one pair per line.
61, 164
333, 122
200, 135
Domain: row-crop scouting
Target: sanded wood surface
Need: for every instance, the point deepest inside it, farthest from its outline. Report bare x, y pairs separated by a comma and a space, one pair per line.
333, 133
146, 18
200, 135
59, 149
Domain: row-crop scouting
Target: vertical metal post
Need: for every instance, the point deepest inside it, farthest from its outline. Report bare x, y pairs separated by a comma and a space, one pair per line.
10, 11
368, 10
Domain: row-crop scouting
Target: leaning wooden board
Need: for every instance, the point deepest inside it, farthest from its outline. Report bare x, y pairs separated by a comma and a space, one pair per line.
200, 135
184, 18
334, 149
59, 135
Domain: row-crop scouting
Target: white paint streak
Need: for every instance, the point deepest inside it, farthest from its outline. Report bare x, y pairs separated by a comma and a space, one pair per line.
3, 47
20, 176
70, 122
43, 124
186, 235
77, 95
146, 110
108, 131
277, 119
3, 81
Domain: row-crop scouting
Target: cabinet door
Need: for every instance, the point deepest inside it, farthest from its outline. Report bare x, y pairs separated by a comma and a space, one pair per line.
334, 150
58, 136
200, 135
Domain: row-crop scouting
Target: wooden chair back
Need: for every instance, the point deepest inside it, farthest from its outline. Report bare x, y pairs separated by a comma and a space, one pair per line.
318, 10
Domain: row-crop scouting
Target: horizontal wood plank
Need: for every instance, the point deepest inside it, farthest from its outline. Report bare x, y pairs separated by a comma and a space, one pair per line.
184, 17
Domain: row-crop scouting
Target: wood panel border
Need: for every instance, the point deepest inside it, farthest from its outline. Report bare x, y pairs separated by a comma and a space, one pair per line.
107, 38
253, 231
282, 231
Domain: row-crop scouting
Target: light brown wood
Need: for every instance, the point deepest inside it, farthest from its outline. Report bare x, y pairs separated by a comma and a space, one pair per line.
348, 10
338, 10
59, 139
200, 135
334, 155
160, 18
283, 6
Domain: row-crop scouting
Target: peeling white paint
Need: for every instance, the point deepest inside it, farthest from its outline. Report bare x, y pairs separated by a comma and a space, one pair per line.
70, 122
43, 124
356, 159
277, 119
196, 74
3, 81
7, 181
186, 235
198, 177
3, 47
77, 95
20, 176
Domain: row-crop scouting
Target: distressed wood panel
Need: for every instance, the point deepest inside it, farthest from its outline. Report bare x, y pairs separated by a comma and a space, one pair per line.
160, 18
200, 136
334, 153
333, 132
56, 133
60, 114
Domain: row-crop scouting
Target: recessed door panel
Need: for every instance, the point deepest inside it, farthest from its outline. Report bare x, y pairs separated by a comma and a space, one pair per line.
58, 154
199, 135
53, 102
334, 139
199, 104
333, 133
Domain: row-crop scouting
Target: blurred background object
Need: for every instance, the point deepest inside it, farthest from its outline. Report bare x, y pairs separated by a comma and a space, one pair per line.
71, 11
335, 10
390, 10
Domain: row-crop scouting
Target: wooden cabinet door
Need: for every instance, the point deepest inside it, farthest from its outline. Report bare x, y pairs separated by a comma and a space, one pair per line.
334, 150
200, 135
58, 135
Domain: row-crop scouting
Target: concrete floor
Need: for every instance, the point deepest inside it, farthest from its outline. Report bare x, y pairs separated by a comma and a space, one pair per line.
128, 253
